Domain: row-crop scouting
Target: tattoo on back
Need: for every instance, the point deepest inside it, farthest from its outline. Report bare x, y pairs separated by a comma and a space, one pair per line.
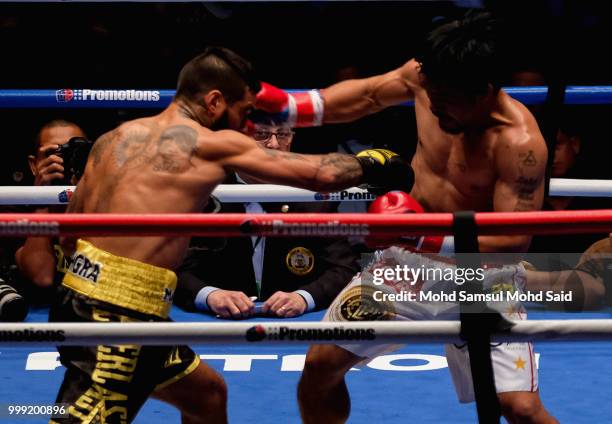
170, 152
99, 147
175, 148
130, 151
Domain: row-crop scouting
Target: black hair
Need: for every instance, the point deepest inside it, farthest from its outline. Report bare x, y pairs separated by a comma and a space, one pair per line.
464, 54
217, 68
262, 118
52, 124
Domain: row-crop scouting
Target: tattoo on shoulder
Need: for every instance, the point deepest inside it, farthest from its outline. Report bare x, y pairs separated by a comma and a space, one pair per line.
99, 147
175, 148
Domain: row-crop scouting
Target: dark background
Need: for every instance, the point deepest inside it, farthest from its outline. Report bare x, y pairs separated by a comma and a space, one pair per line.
292, 44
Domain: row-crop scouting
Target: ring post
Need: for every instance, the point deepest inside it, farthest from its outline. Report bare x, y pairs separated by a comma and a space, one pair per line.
474, 318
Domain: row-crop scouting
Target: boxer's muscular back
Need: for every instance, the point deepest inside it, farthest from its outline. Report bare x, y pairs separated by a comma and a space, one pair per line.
151, 165
171, 164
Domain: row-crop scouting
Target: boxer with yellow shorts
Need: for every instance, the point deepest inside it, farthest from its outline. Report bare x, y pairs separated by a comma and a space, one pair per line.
112, 382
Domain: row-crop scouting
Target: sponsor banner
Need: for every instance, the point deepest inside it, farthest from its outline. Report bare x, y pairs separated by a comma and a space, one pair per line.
65, 95
249, 362
24, 227
346, 195
86, 97
258, 333
332, 228
65, 196
32, 335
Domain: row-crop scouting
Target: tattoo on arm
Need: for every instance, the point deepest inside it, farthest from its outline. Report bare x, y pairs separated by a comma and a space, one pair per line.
344, 168
523, 206
283, 155
527, 161
526, 185
526, 188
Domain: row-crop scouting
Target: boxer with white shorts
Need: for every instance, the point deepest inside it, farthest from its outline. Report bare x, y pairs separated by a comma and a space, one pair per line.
364, 299
477, 149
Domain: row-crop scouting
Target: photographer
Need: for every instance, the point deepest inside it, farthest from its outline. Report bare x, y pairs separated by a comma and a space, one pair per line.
57, 162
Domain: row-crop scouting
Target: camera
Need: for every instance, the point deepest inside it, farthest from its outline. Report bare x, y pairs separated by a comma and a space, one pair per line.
13, 307
74, 153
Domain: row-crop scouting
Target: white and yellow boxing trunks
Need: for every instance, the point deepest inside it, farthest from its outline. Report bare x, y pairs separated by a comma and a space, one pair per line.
513, 363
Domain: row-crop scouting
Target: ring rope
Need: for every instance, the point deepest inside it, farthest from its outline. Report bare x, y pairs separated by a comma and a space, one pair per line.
226, 193
375, 332
156, 98
264, 193
299, 224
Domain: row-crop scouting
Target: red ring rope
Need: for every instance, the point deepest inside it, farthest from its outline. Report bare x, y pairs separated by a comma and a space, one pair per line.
234, 225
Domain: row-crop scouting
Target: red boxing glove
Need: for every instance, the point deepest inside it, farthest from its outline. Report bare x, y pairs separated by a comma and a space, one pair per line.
300, 109
396, 202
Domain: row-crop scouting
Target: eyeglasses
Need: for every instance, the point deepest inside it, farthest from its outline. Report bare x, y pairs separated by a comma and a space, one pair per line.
283, 136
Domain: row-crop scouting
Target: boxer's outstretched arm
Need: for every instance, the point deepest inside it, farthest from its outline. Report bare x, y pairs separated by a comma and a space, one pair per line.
520, 166
349, 100
329, 172
588, 291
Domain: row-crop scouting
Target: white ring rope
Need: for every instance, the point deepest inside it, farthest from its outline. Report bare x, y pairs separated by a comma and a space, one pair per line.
375, 332
262, 193
226, 193
580, 188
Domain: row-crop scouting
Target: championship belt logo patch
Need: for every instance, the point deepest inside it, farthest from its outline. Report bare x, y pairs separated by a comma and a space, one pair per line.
358, 304
300, 261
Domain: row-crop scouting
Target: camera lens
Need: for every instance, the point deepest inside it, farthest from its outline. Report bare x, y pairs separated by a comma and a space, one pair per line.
13, 306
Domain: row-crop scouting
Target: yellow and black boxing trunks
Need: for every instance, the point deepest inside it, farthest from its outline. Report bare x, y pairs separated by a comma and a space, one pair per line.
109, 384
